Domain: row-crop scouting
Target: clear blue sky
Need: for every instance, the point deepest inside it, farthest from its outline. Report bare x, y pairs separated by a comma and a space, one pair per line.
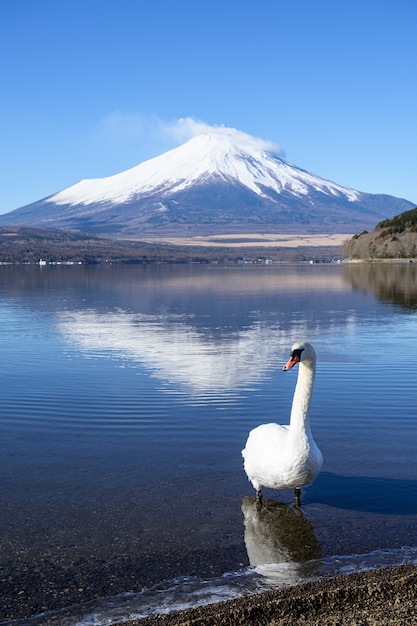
90, 88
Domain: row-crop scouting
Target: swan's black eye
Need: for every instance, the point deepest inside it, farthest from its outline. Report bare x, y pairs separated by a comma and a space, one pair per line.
297, 353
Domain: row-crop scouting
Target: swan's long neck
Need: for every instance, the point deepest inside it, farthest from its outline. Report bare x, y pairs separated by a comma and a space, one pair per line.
300, 409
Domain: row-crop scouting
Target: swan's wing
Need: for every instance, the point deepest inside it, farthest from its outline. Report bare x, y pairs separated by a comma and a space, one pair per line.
264, 453
265, 435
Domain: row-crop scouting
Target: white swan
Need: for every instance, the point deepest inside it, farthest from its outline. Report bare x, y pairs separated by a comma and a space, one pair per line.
287, 457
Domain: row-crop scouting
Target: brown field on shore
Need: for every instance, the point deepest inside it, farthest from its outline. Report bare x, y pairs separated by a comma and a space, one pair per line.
260, 240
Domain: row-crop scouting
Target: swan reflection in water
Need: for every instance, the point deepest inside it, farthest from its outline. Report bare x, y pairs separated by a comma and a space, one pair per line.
280, 542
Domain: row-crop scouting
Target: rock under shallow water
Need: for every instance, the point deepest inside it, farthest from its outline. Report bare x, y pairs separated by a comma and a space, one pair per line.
381, 597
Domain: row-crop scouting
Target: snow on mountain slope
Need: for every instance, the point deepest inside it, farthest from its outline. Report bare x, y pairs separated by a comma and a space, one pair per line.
204, 156
223, 181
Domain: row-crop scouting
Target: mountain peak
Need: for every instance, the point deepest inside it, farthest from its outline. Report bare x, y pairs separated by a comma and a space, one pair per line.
229, 156
233, 158
227, 139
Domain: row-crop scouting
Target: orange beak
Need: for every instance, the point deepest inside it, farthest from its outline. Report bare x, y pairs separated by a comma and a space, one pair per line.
294, 359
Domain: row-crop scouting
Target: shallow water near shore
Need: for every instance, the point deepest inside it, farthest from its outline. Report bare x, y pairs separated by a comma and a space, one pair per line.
128, 395
184, 592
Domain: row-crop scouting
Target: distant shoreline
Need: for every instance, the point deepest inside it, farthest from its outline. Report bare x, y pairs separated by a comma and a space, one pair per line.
21, 244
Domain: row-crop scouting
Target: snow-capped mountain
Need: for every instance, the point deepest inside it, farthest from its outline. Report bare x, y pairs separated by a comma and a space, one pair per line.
201, 158
219, 181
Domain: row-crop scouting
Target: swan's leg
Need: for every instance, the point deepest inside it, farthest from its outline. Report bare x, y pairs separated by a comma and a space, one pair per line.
258, 500
297, 497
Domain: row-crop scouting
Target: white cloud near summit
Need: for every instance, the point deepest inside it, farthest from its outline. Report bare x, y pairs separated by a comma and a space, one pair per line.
122, 128
186, 128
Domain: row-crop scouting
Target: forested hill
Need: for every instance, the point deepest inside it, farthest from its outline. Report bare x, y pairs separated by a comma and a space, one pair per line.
400, 223
394, 238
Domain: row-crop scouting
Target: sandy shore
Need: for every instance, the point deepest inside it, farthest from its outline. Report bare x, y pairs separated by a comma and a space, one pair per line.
385, 597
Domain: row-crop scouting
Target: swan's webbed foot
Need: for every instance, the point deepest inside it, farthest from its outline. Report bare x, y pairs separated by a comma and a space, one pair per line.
258, 500
297, 497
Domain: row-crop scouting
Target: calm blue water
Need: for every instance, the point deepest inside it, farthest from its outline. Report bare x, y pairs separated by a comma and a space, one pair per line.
127, 394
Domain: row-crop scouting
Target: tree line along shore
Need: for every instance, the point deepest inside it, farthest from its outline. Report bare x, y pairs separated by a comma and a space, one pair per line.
30, 246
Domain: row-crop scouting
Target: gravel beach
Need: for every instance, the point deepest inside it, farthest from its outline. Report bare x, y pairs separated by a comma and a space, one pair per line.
381, 597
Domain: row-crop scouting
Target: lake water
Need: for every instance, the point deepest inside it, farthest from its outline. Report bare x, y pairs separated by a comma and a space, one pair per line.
127, 393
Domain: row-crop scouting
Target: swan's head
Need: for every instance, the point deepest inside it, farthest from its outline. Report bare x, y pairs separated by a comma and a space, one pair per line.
301, 352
